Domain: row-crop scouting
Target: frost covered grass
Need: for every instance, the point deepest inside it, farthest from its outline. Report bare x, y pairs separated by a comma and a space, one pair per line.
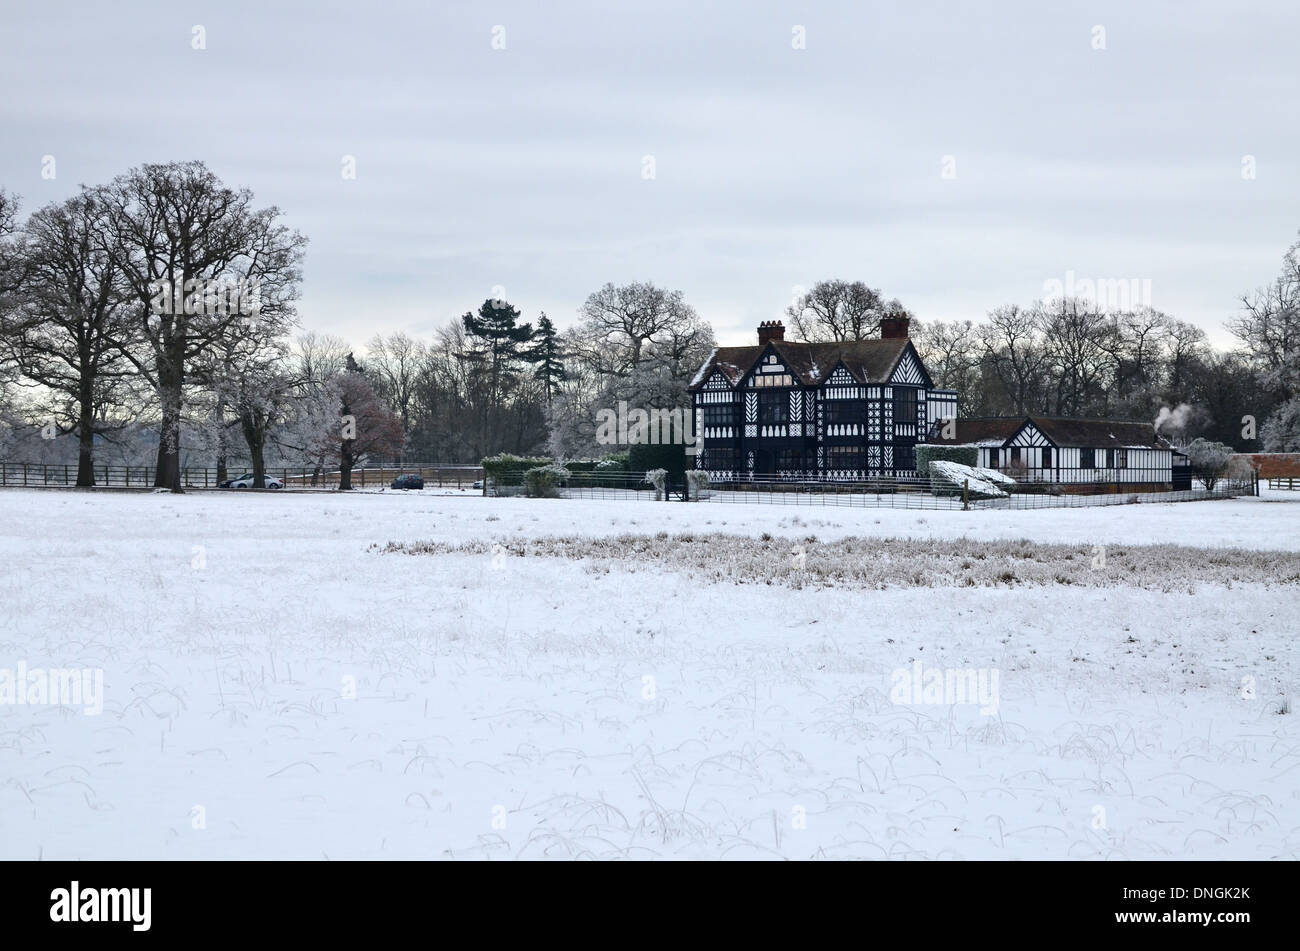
276, 685
878, 563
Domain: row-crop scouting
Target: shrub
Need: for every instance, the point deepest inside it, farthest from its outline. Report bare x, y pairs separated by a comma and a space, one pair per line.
1208, 460
658, 478
698, 480
542, 482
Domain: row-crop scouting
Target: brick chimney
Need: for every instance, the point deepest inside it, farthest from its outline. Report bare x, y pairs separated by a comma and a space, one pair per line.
894, 328
770, 330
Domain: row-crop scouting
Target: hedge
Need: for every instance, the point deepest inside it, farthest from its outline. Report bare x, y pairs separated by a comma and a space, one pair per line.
643, 458
506, 469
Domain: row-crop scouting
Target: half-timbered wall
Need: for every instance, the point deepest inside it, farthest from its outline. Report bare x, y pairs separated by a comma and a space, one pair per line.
840, 430
1042, 461
940, 405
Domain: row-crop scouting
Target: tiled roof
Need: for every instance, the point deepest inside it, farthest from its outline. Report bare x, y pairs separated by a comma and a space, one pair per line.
868, 361
1061, 430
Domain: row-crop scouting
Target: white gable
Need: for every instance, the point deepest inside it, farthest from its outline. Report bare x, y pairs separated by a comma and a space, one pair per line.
1030, 436
908, 371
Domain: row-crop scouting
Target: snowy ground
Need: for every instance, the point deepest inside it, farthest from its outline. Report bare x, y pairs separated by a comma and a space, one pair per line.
579, 701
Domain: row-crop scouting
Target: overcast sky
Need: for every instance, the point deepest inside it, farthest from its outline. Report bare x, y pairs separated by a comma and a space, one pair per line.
524, 167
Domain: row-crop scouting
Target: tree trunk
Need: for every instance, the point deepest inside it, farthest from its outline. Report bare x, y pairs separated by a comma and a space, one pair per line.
218, 415
85, 432
255, 437
345, 466
170, 380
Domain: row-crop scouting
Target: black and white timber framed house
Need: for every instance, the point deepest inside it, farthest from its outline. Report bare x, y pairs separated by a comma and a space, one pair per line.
842, 411
1080, 455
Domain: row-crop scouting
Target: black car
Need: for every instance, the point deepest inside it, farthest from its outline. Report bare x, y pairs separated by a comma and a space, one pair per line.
408, 482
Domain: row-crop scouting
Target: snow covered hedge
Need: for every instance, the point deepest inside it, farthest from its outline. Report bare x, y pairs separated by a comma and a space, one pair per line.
984, 483
542, 482
507, 469
926, 454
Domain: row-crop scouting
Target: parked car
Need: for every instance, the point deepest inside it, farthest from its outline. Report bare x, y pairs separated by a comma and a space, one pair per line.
245, 481
408, 482
478, 484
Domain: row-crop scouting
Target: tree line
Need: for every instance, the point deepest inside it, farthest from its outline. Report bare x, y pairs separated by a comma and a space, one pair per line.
156, 314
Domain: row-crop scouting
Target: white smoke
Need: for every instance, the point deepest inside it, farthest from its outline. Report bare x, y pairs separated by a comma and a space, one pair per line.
1175, 419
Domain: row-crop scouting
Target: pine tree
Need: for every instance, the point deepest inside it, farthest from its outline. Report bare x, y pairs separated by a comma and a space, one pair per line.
546, 354
498, 337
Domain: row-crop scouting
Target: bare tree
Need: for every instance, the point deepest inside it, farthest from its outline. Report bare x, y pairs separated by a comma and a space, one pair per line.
1269, 328
1187, 348
366, 426
840, 310
182, 237
1013, 350
950, 350
72, 319
1135, 345
629, 318
394, 362
1075, 335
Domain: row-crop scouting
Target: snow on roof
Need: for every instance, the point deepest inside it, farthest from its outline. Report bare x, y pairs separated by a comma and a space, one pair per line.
699, 374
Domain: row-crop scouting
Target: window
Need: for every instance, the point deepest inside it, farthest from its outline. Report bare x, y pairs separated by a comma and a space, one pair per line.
1087, 459
719, 414
1015, 454
844, 457
846, 411
904, 405
1047, 457
904, 457
723, 460
790, 459
1121, 458
774, 408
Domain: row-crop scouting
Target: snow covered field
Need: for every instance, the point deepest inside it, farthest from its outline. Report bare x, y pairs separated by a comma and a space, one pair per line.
278, 684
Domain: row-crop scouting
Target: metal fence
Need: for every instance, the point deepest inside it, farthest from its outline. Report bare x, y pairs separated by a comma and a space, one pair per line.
884, 492
36, 474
